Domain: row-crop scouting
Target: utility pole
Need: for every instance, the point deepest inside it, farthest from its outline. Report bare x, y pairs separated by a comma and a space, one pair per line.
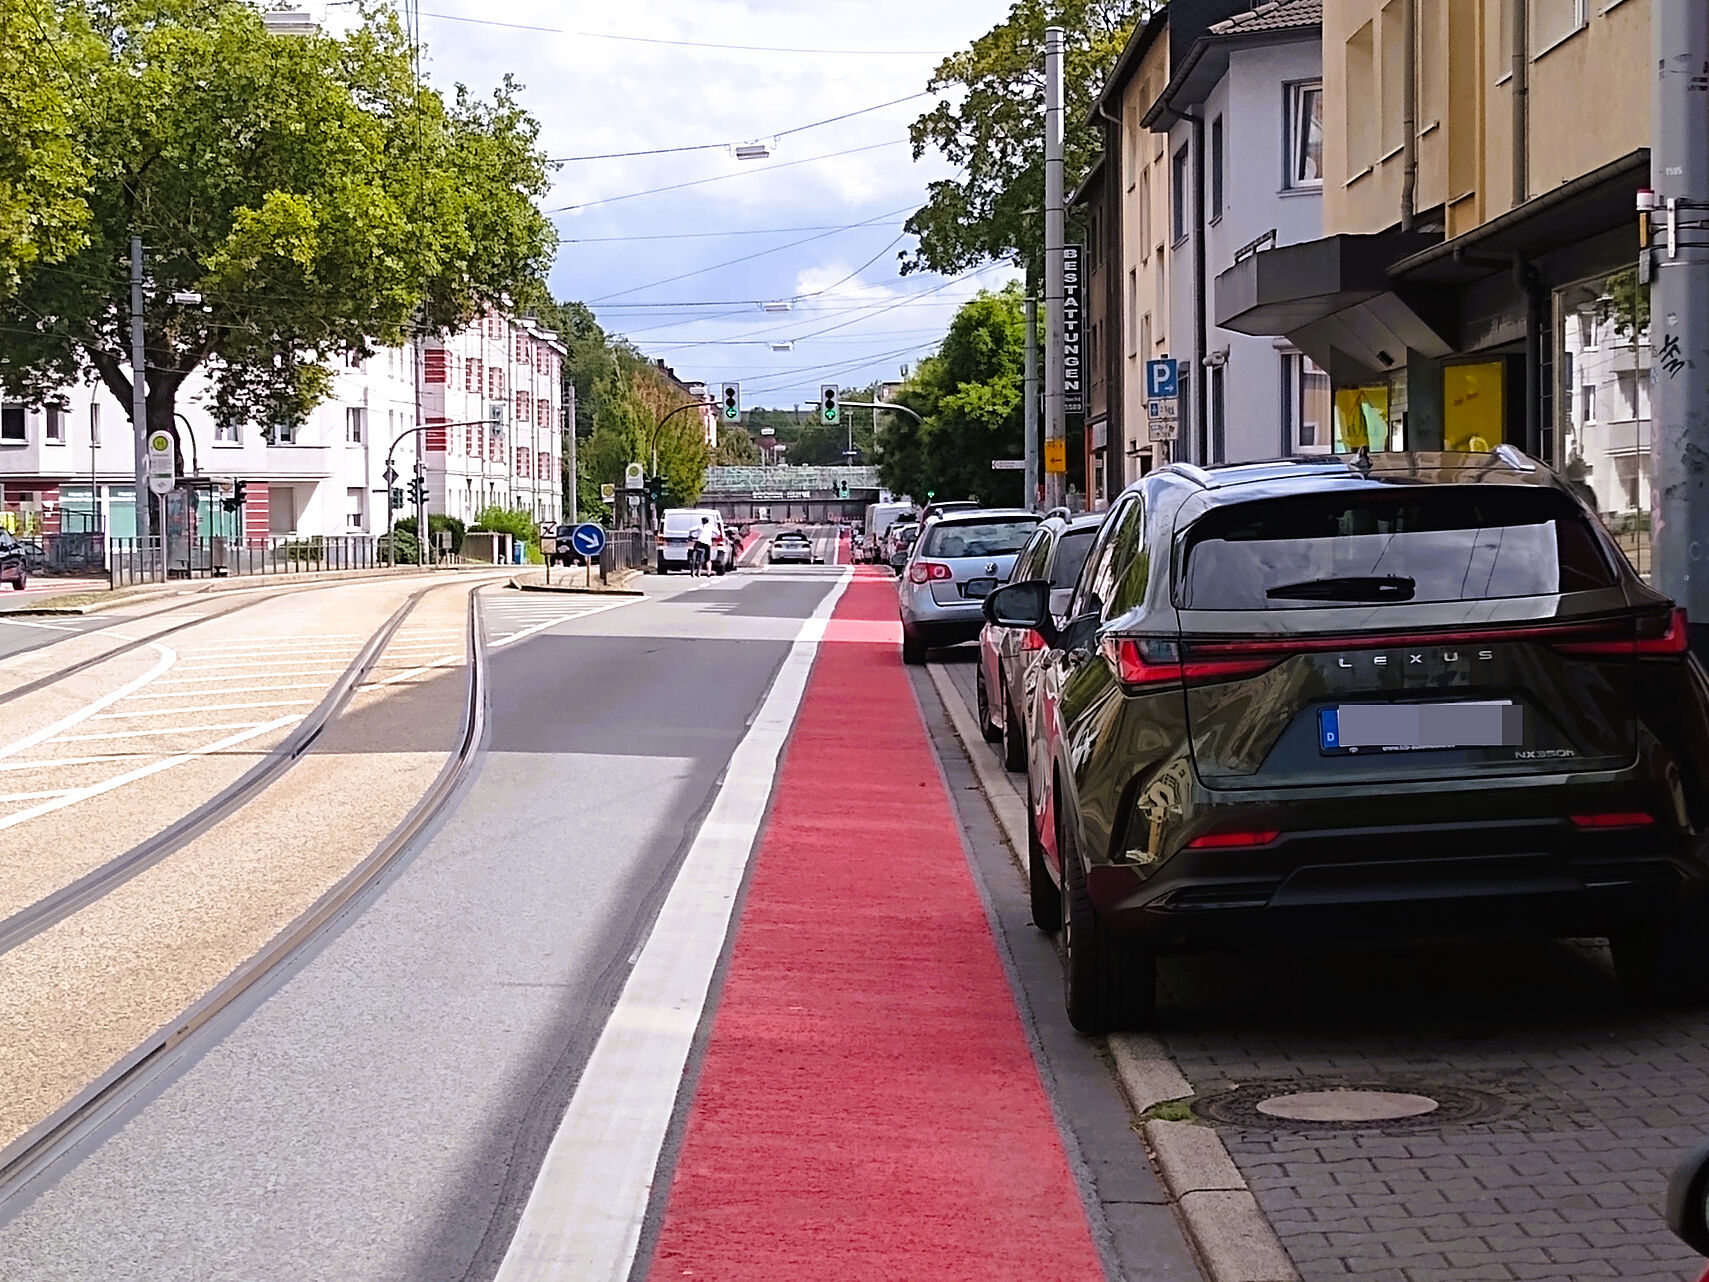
1030, 391
139, 397
1679, 310
1055, 433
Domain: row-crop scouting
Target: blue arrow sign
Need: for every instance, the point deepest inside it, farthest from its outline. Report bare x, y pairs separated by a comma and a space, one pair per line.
588, 539
1162, 379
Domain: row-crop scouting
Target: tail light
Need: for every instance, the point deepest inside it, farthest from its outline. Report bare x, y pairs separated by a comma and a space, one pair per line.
1663, 635
927, 571
1614, 819
1155, 661
1233, 839
1031, 641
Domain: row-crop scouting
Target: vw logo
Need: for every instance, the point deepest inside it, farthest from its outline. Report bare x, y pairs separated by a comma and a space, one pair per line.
990, 567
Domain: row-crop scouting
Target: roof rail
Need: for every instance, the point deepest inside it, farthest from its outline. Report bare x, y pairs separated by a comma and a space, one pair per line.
1194, 473
1515, 458
1063, 512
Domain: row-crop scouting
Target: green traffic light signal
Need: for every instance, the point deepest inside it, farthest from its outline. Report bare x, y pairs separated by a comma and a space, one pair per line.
732, 401
829, 411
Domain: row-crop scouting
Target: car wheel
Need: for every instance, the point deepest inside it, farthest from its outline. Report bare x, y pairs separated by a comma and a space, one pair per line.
987, 727
1014, 735
19, 583
662, 568
1109, 984
1664, 961
1046, 899
913, 648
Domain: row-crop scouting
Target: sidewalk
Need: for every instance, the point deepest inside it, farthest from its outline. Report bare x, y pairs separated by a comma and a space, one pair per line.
869, 1106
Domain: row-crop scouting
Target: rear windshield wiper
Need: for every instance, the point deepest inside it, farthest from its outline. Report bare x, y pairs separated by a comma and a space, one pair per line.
1388, 587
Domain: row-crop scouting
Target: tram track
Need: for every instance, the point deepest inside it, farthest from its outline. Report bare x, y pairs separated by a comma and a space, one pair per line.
81, 1119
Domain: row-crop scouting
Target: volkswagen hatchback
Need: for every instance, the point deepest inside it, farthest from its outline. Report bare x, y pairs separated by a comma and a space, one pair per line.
956, 560
1419, 694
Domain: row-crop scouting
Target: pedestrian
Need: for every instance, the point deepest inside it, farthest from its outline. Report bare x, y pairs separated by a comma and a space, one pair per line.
702, 550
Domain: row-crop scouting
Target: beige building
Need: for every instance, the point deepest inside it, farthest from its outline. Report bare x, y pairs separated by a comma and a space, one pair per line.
1476, 279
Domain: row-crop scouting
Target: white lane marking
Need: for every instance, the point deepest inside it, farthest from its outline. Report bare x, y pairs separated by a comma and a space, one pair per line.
204, 707
187, 694
583, 1218
247, 676
54, 763
223, 665
45, 627
167, 658
142, 772
32, 796
138, 734
446, 662
568, 618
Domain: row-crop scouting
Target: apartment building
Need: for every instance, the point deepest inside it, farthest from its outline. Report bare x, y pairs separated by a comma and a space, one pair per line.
68, 466
1475, 282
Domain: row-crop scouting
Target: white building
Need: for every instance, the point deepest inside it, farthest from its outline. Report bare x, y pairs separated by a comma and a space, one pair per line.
324, 477
1243, 119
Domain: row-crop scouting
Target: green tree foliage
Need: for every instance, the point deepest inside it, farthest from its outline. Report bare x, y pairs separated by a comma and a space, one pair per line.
735, 447
44, 170
992, 130
317, 202
629, 405
970, 396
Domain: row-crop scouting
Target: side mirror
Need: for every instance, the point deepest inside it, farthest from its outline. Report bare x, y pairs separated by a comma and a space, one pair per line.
1022, 605
1688, 1201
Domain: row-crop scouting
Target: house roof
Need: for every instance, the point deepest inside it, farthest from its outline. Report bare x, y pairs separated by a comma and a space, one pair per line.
1276, 15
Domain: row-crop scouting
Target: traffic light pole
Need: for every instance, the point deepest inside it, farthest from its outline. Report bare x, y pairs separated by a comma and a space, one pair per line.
653, 449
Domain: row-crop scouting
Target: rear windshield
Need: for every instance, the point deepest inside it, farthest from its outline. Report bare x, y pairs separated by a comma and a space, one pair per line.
978, 538
1448, 543
689, 521
1071, 551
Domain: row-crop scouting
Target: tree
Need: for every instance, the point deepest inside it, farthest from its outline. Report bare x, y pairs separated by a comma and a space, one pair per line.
628, 407
994, 131
44, 171
735, 447
970, 396
316, 201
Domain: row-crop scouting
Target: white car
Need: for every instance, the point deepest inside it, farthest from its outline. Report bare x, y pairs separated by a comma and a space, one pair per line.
678, 534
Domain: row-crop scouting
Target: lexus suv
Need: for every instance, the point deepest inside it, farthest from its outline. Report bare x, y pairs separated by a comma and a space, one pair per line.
1418, 694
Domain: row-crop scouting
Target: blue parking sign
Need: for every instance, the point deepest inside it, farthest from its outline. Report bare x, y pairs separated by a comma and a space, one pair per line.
1162, 379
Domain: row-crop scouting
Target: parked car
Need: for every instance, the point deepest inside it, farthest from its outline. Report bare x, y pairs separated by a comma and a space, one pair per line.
1055, 553
1687, 1206
680, 523
957, 560
14, 562
899, 543
1409, 694
794, 546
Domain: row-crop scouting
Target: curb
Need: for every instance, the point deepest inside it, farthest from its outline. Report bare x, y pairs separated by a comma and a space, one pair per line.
1234, 1240
81, 603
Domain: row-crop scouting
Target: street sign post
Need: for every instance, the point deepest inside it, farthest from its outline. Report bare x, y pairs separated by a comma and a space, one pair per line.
1008, 464
608, 494
588, 541
1056, 457
1162, 379
1163, 419
1162, 399
634, 477
162, 464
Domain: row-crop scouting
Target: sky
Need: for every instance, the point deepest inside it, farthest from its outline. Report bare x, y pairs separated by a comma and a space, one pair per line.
819, 220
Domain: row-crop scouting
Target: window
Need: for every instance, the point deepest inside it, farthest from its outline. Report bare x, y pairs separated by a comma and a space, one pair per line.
353, 417
225, 433
1219, 412
1306, 406
94, 423
1359, 112
1393, 87
977, 538
1587, 403
1216, 169
353, 507
1179, 172
1115, 575
1071, 550
1134, 133
1145, 214
1446, 543
284, 434
1133, 310
1634, 395
54, 426
473, 376
12, 429
1305, 135
1552, 21
1145, 335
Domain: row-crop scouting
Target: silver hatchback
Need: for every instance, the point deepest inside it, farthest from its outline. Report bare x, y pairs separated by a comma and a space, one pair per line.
955, 562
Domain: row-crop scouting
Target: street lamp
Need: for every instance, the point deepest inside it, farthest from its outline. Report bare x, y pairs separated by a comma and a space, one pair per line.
290, 22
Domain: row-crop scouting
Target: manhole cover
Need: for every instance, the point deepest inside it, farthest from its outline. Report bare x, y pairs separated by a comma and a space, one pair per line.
1298, 1105
1344, 1105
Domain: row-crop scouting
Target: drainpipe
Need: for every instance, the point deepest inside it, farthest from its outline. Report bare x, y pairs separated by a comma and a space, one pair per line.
1201, 325
1115, 437
1530, 283
1409, 95
1519, 35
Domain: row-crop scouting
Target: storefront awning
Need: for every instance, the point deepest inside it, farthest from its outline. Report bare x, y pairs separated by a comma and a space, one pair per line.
1334, 300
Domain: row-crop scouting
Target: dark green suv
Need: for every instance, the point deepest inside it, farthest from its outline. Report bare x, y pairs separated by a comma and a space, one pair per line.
1415, 694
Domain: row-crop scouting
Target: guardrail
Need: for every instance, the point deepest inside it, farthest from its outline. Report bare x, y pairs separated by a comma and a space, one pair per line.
161, 560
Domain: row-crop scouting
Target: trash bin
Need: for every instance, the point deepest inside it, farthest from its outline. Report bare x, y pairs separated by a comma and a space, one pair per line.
517, 547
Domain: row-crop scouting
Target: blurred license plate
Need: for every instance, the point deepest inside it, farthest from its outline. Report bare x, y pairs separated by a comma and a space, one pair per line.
1414, 727
978, 588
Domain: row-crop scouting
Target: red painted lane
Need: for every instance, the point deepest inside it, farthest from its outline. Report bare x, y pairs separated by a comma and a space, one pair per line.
868, 1108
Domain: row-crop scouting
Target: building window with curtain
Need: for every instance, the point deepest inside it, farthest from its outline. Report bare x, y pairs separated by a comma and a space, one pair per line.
1215, 164
1180, 170
1305, 406
1305, 135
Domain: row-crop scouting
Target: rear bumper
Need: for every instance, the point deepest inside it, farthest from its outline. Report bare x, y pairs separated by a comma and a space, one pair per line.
1536, 875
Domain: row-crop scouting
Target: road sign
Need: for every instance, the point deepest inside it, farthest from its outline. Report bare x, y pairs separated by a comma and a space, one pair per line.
162, 464
1162, 379
732, 402
1163, 427
608, 493
830, 413
634, 477
588, 539
1008, 465
1056, 457
391, 474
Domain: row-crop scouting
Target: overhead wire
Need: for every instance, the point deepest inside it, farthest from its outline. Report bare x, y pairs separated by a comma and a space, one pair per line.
701, 182
713, 146
686, 44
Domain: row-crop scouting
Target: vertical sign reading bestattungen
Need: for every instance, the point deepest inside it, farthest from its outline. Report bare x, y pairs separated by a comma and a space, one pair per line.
1073, 340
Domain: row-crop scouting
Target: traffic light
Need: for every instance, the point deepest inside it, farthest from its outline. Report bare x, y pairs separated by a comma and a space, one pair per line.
232, 504
656, 491
842, 489
417, 490
732, 402
830, 413
397, 498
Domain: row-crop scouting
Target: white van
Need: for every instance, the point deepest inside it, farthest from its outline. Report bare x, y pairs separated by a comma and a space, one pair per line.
879, 518
678, 537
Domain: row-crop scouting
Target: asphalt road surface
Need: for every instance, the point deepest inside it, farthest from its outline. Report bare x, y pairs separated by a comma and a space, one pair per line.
380, 1109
